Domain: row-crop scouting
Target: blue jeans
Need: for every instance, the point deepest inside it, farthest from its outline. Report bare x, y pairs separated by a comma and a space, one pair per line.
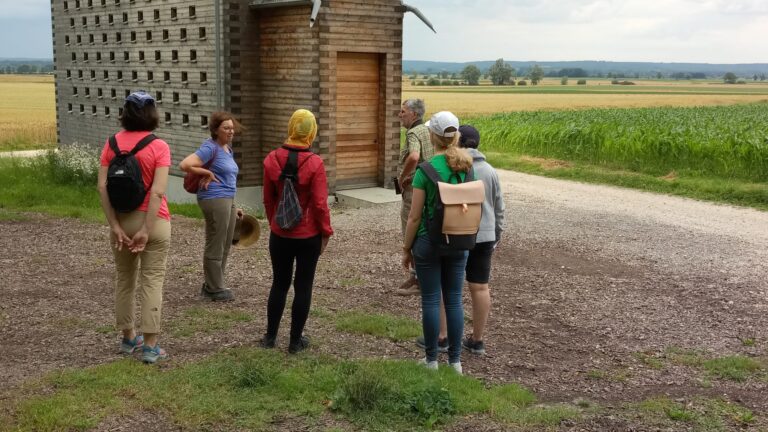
440, 272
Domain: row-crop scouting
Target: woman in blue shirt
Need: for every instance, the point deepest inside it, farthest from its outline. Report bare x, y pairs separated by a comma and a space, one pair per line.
214, 161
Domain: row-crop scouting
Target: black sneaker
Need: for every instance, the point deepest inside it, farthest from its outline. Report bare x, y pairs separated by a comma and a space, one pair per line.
473, 346
223, 295
442, 344
267, 342
298, 345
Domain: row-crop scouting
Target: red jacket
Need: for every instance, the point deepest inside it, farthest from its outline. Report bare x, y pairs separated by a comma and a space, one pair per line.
312, 189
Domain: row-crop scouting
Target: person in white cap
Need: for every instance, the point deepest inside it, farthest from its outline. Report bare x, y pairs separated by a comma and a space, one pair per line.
440, 271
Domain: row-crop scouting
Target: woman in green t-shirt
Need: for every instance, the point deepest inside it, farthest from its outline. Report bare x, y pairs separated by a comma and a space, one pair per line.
440, 272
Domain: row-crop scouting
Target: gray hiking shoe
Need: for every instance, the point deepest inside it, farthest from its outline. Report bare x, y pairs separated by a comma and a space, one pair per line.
223, 295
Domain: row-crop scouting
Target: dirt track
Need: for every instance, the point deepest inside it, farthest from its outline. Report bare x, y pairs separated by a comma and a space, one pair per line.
587, 278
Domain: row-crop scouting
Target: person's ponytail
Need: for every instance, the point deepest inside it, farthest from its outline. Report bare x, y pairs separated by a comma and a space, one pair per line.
458, 159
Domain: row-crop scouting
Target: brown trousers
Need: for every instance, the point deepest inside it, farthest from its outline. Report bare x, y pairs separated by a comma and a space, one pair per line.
145, 269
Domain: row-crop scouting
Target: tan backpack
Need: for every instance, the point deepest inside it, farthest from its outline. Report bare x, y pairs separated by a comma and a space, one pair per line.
458, 209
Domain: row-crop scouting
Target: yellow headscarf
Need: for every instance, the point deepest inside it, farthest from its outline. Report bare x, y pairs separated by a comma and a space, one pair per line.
302, 128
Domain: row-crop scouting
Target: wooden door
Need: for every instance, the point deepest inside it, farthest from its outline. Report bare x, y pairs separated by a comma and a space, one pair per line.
357, 120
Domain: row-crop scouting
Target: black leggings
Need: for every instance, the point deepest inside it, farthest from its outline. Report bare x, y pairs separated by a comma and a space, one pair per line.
283, 252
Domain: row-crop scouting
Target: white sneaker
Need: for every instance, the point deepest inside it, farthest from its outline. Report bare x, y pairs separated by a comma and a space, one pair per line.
457, 367
430, 365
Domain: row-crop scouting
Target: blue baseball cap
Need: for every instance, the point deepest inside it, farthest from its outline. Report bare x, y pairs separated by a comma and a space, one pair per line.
140, 99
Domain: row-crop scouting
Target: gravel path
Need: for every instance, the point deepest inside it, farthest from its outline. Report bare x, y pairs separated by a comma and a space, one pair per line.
588, 281
678, 233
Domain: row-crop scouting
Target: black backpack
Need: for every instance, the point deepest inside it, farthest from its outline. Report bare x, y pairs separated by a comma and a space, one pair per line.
289, 212
458, 210
125, 185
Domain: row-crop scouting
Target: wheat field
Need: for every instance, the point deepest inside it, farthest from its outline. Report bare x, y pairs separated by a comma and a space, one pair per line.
466, 101
27, 112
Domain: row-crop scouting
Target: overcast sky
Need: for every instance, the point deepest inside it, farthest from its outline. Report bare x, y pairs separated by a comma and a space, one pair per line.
701, 31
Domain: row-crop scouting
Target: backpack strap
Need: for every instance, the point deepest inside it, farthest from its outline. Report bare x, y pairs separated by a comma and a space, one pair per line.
113, 145
430, 171
292, 167
143, 143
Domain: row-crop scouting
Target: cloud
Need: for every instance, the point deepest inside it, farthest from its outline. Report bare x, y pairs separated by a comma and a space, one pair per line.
20, 9
711, 31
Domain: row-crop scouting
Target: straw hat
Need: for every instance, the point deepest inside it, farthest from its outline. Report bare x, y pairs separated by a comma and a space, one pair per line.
247, 231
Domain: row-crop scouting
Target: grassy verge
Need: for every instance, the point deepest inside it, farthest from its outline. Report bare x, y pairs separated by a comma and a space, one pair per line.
40, 185
21, 142
247, 388
729, 191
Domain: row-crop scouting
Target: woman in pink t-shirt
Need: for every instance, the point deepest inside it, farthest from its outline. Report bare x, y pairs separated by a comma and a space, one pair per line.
140, 239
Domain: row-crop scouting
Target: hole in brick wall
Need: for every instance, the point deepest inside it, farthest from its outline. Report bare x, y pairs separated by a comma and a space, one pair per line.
167, 77
99, 93
201, 32
183, 34
156, 14
140, 16
193, 56
69, 108
173, 13
113, 93
149, 35
150, 76
106, 111
203, 121
165, 36
185, 120
167, 118
125, 17
203, 78
159, 97
191, 11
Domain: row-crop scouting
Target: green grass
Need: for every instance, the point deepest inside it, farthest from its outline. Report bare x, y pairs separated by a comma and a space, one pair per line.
698, 414
734, 368
198, 319
649, 360
37, 185
381, 325
247, 389
730, 191
712, 153
20, 143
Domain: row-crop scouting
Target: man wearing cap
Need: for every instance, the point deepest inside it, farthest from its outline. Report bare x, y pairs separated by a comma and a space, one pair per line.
417, 149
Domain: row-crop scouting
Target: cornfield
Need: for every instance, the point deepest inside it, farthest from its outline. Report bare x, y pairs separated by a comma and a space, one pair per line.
723, 141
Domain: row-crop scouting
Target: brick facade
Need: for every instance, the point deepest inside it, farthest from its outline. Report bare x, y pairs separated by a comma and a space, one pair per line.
267, 63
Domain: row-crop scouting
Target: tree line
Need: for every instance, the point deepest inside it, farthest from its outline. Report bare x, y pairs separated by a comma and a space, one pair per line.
25, 68
501, 73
